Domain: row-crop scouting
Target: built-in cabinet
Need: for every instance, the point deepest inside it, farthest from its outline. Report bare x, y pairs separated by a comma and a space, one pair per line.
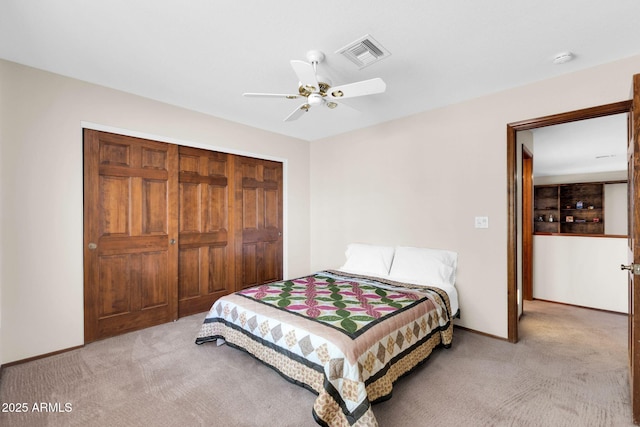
570, 208
168, 230
546, 209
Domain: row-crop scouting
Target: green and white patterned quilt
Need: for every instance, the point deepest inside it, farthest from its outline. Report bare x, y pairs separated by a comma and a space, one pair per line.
347, 338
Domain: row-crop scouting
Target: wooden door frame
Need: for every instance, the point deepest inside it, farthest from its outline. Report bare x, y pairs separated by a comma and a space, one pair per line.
633, 240
512, 196
527, 224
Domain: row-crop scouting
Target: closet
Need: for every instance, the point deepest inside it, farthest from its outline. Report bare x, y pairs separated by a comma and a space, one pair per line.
169, 229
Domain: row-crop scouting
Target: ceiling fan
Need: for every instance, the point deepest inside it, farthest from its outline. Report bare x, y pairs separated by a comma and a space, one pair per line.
317, 89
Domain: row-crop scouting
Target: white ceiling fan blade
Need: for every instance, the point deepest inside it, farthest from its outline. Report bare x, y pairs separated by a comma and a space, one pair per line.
351, 90
306, 74
270, 95
297, 113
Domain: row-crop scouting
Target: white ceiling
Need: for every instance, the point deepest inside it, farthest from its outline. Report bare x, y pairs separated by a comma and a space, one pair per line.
586, 146
203, 54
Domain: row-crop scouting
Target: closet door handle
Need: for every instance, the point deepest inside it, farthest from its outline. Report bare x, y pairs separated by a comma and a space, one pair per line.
172, 241
92, 246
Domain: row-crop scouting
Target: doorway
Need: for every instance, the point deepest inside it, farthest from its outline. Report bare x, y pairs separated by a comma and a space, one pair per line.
582, 160
513, 196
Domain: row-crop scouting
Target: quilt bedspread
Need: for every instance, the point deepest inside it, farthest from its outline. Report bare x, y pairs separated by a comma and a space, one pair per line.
345, 337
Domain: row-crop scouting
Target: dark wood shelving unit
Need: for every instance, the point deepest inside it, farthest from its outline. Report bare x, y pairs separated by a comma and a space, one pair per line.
546, 212
585, 204
569, 208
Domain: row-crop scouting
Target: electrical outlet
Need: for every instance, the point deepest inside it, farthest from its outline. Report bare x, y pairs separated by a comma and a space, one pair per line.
482, 222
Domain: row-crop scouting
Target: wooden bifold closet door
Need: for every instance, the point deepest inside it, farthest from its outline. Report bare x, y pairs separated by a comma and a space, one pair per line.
168, 230
206, 260
130, 217
259, 221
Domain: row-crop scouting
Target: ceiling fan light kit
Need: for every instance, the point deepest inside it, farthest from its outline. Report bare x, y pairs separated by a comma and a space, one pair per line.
315, 99
316, 89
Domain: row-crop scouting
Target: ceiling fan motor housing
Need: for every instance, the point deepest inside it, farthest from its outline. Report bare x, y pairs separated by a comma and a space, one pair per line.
315, 56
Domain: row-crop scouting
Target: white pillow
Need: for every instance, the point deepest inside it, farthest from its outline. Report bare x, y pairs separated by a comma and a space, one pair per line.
424, 266
369, 260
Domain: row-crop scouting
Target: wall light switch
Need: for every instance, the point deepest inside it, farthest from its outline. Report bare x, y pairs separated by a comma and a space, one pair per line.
482, 222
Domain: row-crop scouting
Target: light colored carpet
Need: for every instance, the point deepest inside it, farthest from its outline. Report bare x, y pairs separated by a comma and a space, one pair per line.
569, 369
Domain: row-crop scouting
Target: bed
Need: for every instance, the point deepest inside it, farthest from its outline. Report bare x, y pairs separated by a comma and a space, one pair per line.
347, 335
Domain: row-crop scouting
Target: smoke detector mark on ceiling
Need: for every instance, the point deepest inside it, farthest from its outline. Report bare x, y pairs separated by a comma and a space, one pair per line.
563, 57
364, 51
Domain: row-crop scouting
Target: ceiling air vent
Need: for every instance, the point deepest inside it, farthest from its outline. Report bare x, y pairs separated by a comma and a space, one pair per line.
364, 51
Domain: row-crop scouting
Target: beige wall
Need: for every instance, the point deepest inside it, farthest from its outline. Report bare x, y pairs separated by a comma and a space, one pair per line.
41, 117
421, 180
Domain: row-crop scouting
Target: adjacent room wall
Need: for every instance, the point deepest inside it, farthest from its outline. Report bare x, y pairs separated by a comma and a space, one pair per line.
421, 180
41, 275
583, 271
615, 207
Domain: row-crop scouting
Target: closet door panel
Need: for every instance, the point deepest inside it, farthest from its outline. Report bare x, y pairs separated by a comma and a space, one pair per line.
154, 207
250, 204
113, 294
259, 216
271, 209
250, 265
189, 273
153, 275
272, 222
206, 246
272, 262
217, 269
189, 208
114, 199
130, 219
217, 219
